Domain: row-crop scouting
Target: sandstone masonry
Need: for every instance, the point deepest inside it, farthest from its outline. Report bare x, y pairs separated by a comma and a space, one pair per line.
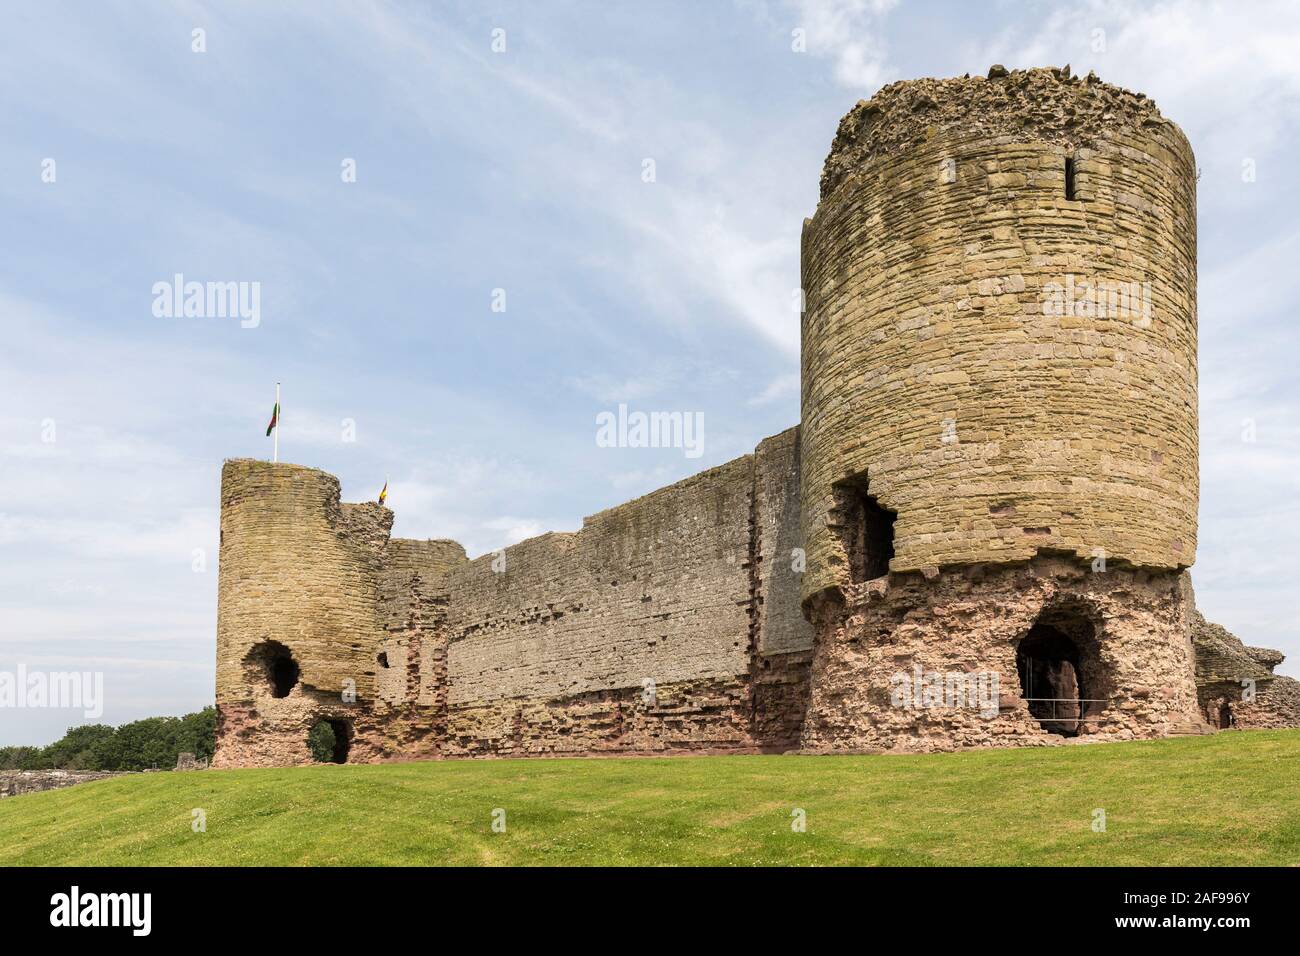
993, 487
668, 624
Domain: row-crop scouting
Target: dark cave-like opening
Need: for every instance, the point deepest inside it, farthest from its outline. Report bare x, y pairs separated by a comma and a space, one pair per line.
284, 675
1060, 671
273, 663
866, 531
330, 739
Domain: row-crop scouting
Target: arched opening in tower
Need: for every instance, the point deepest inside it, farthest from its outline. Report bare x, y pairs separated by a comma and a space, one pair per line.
1059, 667
866, 531
271, 664
330, 739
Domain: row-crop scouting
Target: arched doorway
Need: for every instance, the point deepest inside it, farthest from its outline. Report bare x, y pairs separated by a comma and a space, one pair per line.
1059, 666
330, 739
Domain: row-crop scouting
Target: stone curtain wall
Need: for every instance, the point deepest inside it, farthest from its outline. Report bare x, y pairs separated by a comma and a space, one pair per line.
639, 632
653, 589
690, 588
779, 546
414, 600
929, 366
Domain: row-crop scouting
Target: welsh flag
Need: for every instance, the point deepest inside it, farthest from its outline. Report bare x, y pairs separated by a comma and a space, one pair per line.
275, 417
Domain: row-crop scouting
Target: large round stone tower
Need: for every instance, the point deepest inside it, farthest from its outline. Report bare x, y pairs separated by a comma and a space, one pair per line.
999, 448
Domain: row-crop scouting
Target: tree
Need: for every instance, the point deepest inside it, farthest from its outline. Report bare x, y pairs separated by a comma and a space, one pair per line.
18, 758
321, 741
139, 745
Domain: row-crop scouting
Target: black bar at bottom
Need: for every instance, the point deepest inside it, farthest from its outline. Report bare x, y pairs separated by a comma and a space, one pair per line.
363, 906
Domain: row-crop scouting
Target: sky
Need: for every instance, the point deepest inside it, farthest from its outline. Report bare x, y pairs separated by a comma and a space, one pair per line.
474, 227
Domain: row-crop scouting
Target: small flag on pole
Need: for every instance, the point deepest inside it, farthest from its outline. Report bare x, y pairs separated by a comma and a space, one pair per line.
274, 426
383, 493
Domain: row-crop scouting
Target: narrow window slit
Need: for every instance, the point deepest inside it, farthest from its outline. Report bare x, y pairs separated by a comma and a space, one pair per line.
1069, 177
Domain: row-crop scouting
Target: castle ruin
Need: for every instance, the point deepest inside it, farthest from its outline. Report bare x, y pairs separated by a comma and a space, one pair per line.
978, 534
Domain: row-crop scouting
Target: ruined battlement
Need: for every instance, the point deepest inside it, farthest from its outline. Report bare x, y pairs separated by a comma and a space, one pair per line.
1043, 105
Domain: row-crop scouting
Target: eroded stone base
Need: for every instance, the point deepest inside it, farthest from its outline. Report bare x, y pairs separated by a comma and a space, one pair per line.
702, 716
759, 714
272, 732
1134, 657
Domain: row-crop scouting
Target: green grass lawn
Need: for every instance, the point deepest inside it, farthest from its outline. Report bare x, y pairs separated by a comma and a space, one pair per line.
1229, 799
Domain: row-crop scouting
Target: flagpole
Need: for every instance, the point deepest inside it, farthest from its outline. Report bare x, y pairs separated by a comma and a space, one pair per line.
276, 447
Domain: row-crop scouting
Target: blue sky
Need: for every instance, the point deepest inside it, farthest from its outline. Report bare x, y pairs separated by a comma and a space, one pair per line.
519, 170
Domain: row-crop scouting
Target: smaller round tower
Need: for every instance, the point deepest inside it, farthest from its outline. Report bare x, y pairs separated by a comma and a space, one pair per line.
999, 434
299, 619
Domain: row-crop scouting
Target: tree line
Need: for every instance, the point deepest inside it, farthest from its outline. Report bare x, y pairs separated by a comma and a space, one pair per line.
154, 742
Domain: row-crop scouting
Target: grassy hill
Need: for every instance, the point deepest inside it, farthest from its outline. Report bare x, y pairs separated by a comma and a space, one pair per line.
1229, 799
